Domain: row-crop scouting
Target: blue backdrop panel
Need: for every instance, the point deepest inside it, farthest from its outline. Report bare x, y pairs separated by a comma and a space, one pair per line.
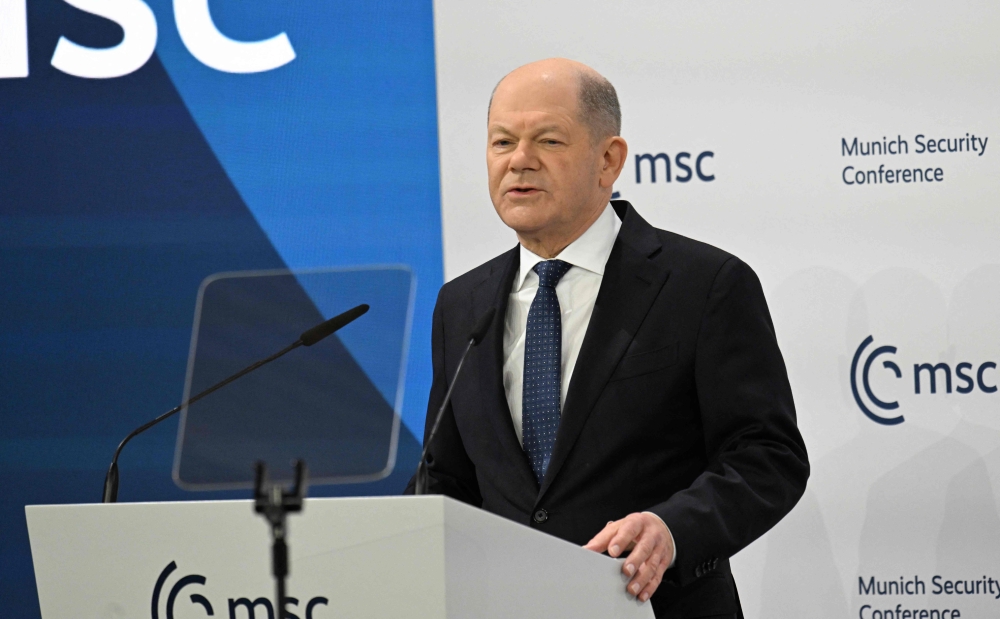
118, 197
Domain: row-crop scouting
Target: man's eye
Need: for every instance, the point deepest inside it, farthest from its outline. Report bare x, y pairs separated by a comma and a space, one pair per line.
502, 143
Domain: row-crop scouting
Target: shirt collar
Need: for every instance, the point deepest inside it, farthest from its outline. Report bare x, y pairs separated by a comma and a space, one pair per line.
590, 251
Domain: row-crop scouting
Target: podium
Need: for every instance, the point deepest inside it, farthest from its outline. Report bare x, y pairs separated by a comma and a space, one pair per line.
418, 557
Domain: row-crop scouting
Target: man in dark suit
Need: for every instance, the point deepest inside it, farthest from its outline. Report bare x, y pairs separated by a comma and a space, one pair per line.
630, 395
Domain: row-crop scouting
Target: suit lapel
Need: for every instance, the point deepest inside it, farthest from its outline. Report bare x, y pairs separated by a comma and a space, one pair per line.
630, 285
494, 291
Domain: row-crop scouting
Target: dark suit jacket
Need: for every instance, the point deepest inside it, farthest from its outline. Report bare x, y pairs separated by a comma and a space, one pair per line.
679, 405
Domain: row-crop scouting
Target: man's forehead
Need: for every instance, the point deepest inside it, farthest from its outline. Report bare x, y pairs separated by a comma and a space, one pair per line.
534, 122
534, 105
537, 89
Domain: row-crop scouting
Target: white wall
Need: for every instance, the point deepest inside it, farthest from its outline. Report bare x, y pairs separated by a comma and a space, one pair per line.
771, 89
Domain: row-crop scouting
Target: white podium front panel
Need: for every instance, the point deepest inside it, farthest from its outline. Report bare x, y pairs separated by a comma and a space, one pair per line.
350, 558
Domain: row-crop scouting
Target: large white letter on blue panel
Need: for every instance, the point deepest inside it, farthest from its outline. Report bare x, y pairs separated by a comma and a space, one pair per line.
13, 38
216, 50
139, 24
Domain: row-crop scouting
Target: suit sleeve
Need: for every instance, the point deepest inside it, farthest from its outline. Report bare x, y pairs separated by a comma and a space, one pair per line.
450, 471
757, 464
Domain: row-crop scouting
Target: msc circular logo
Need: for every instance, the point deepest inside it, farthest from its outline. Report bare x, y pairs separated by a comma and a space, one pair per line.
866, 384
239, 607
196, 598
931, 379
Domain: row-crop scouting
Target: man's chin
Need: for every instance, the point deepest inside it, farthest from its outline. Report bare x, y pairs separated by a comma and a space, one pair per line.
525, 216
527, 203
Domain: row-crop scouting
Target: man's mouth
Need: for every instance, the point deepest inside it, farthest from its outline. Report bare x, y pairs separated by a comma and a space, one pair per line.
522, 190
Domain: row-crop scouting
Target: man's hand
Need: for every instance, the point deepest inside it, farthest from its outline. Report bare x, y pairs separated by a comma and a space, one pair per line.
651, 545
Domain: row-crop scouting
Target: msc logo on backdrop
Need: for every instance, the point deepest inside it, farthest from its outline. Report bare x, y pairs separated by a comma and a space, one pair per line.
681, 169
928, 378
249, 607
194, 24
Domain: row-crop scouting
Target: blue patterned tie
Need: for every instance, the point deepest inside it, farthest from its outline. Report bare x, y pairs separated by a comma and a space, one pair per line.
542, 355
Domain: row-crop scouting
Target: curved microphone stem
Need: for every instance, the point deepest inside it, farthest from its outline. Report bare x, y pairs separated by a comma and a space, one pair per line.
111, 479
420, 487
308, 338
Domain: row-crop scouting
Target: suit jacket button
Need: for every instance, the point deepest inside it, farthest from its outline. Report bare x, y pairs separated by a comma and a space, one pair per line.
540, 516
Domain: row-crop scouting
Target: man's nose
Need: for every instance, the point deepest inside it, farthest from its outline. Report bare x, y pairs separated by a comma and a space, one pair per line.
524, 157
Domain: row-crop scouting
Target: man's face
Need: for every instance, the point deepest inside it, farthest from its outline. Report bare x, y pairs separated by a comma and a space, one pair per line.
544, 170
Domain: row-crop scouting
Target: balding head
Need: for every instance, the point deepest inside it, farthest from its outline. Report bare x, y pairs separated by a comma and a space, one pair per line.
596, 99
554, 151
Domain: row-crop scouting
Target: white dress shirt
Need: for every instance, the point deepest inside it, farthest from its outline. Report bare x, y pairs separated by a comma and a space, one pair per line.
577, 292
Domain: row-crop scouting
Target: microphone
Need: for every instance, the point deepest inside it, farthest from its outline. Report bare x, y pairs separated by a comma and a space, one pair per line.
308, 338
476, 336
333, 325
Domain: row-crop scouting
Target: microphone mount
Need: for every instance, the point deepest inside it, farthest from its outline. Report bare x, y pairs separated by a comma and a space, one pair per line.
274, 503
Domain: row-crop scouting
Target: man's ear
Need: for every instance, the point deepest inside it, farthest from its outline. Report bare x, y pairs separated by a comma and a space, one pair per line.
615, 152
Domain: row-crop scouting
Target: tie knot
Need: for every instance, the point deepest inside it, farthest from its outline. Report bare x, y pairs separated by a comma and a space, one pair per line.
551, 271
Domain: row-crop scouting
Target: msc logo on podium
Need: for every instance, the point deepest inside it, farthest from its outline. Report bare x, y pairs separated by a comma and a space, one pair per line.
234, 605
928, 378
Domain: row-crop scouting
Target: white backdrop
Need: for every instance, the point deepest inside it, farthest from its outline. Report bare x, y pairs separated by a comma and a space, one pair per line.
775, 91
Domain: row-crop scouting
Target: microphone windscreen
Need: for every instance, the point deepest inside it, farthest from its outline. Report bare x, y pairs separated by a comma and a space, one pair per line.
329, 327
482, 326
